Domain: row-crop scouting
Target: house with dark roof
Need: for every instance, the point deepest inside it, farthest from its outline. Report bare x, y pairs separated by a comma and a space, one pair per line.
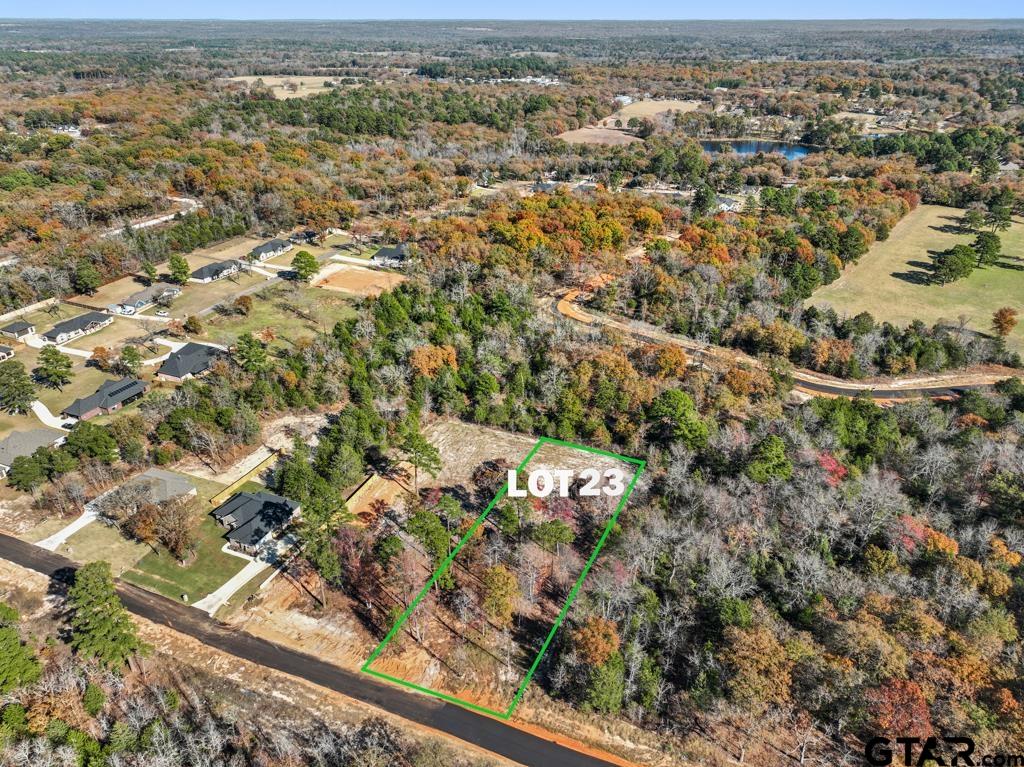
18, 330
217, 271
270, 250
391, 255
190, 361
24, 443
111, 396
76, 327
146, 297
253, 518
6, 352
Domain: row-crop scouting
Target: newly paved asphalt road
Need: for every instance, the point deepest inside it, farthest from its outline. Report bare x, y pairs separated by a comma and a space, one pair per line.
490, 734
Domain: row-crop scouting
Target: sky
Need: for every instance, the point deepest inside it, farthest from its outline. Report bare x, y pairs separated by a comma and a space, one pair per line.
520, 9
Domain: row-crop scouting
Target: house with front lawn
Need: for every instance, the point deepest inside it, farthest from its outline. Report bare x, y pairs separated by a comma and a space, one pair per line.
146, 297
18, 330
110, 397
252, 519
270, 249
190, 361
214, 272
76, 327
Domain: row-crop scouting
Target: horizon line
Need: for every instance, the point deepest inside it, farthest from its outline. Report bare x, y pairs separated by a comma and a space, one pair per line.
469, 19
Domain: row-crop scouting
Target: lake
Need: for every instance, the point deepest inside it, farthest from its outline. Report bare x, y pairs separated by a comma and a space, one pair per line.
748, 147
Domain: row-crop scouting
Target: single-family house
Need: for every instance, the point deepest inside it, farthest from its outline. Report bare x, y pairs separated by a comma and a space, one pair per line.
216, 271
6, 352
270, 249
146, 297
18, 330
190, 361
391, 255
24, 443
76, 327
253, 518
158, 487
111, 396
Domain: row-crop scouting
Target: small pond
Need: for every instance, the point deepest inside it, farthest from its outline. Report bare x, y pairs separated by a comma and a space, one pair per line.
748, 146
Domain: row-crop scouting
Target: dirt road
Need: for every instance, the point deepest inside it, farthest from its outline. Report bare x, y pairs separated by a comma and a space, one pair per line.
937, 386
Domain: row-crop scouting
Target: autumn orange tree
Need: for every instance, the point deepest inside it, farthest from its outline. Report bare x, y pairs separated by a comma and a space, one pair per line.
1004, 320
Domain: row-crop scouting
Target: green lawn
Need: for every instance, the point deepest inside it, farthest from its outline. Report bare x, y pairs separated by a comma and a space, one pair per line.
292, 312
98, 541
207, 570
251, 486
891, 281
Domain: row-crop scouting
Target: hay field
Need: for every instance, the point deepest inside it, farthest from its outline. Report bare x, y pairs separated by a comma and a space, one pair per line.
891, 280
289, 87
650, 108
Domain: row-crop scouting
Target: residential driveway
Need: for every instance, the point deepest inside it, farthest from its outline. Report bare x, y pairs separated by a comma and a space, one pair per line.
42, 412
54, 541
36, 342
274, 554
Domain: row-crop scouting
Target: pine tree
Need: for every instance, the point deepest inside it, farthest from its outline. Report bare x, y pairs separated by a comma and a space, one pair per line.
16, 388
100, 626
305, 265
18, 664
54, 368
421, 454
251, 354
179, 270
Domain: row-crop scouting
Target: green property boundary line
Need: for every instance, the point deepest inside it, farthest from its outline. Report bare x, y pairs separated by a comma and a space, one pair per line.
507, 713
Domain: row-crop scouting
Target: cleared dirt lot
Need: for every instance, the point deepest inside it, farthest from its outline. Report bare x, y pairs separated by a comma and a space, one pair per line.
608, 136
349, 278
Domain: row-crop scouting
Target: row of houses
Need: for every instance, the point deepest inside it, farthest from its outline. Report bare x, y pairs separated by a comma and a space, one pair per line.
190, 361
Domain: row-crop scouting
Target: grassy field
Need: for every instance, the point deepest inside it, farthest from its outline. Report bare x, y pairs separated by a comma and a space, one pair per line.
279, 308
196, 297
892, 280
206, 571
99, 541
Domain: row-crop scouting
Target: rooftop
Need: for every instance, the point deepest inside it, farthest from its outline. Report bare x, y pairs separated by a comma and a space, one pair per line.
214, 270
190, 359
253, 516
110, 394
26, 442
80, 322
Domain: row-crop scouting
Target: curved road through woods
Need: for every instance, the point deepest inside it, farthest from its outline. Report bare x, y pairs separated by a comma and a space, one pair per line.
487, 733
935, 387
